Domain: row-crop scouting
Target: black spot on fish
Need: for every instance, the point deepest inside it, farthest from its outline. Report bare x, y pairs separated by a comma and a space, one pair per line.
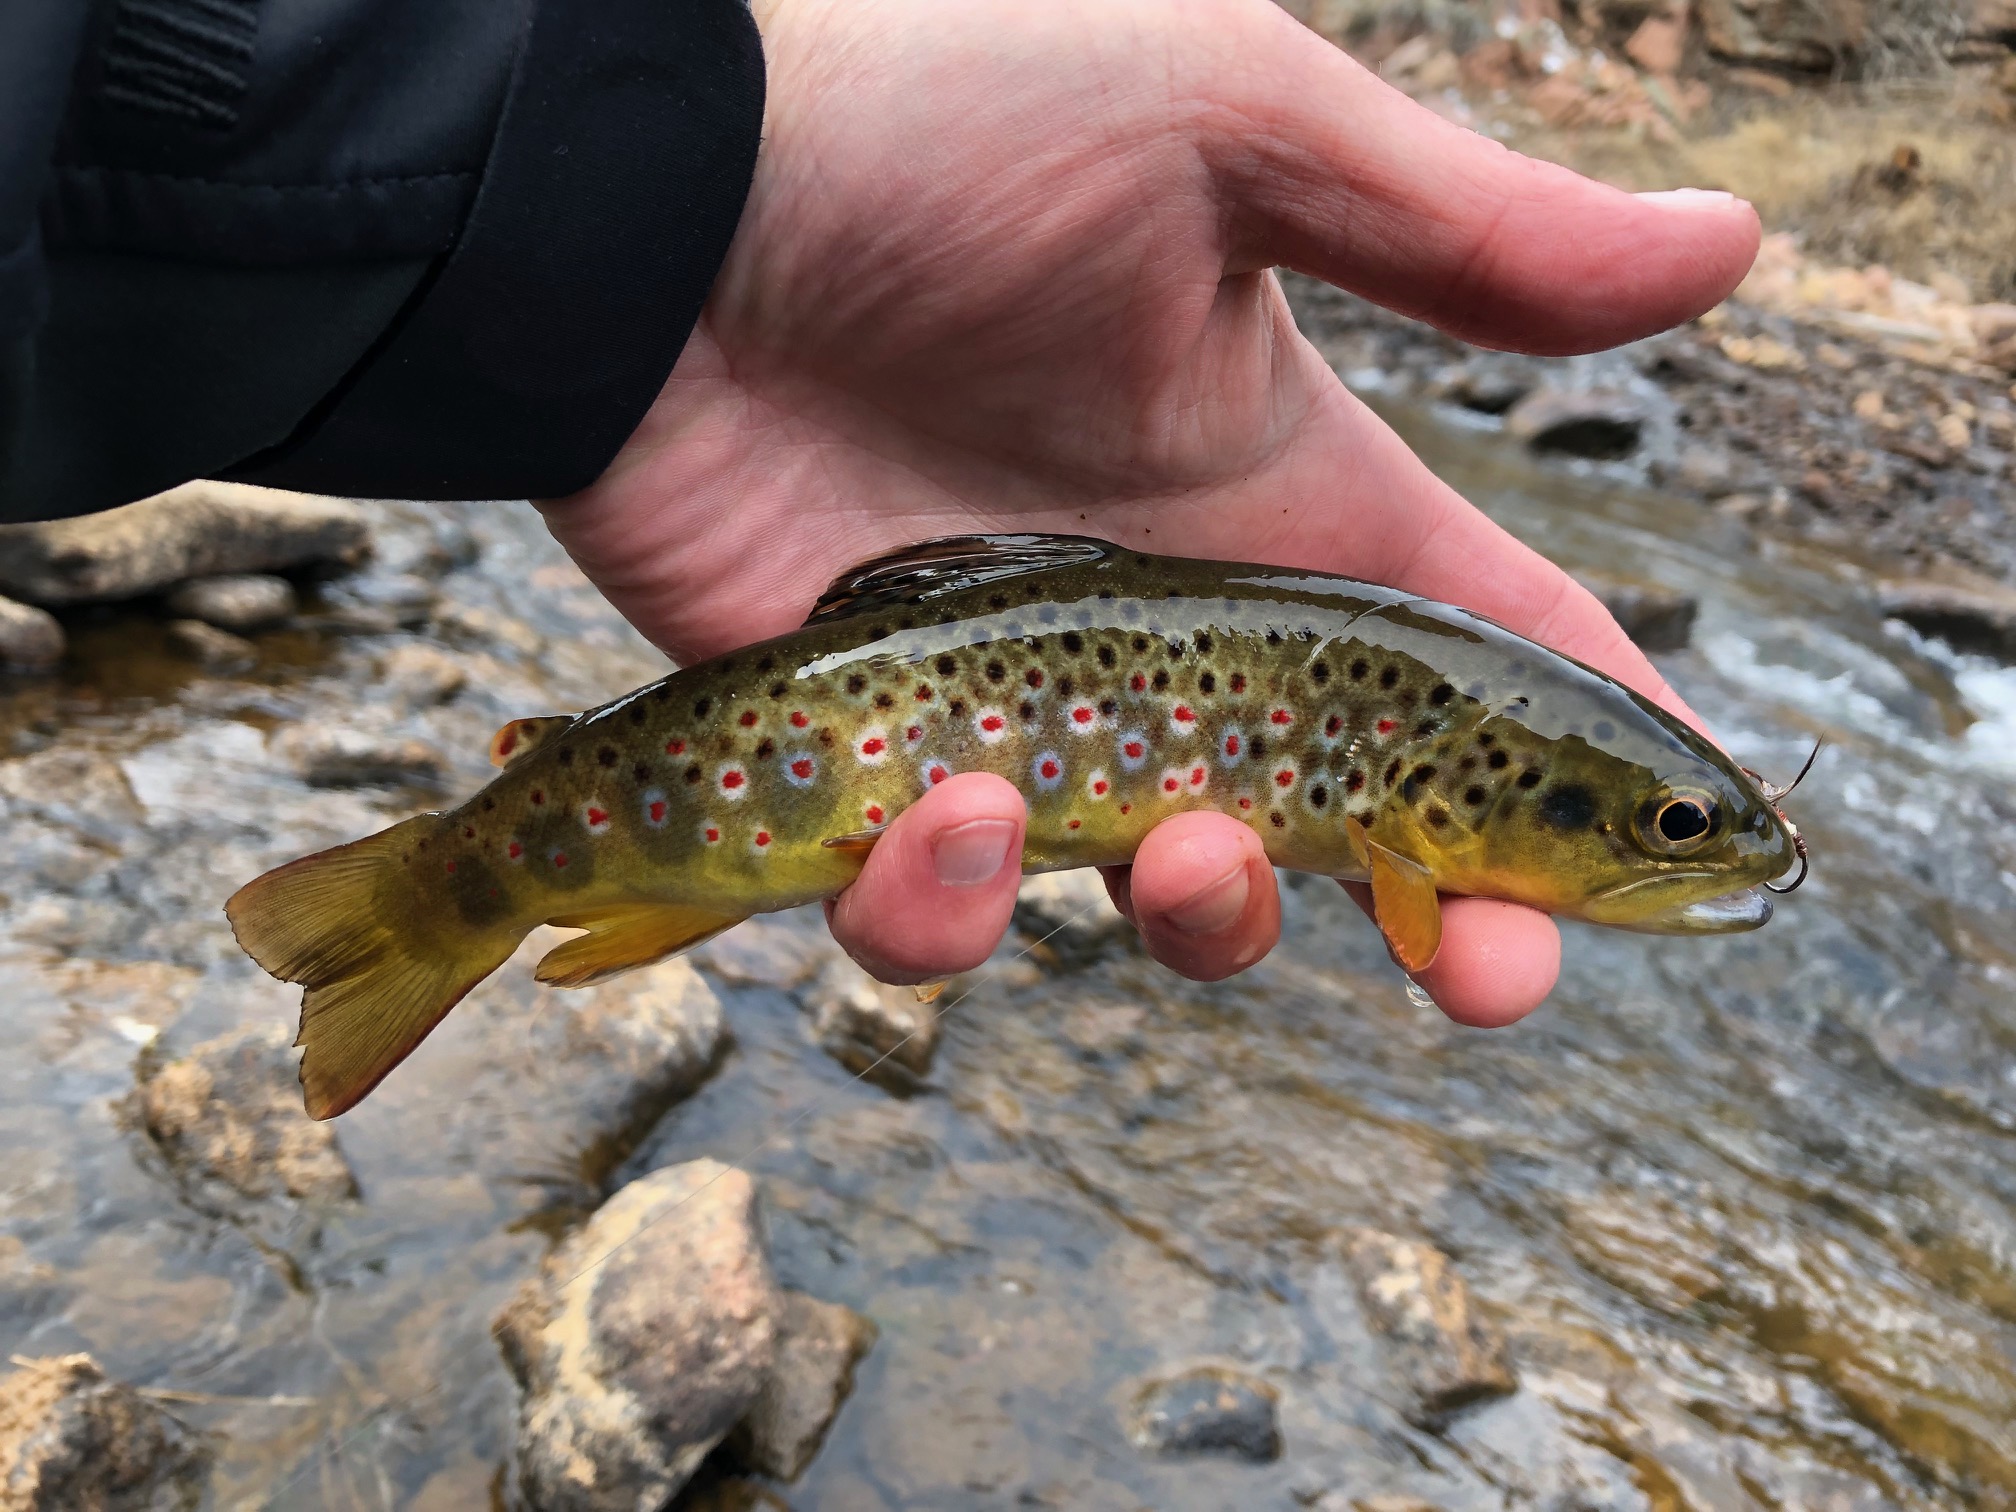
1105, 593
1033, 677
1473, 796
1276, 819
1321, 671
1106, 656
641, 772
767, 664
607, 755
947, 666
1426, 728
565, 756
637, 714
765, 748
1530, 778
1161, 679
1073, 642
1353, 780
1066, 687
826, 736
1140, 644
923, 692
1273, 637
885, 700
1441, 693
1206, 683
957, 707
1392, 771
693, 774
1027, 711
1175, 649
1498, 761
856, 683
1567, 806
1203, 643
1319, 795
1257, 747
777, 689
995, 671
1389, 676
1417, 779
1109, 707
1359, 668
1487, 740
1603, 730
489, 805
997, 601
1437, 816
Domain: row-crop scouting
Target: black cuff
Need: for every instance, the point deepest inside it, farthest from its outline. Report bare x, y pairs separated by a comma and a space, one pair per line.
612, 190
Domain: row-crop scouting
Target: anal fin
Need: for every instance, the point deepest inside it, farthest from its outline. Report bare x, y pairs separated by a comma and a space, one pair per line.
624, 936
1405, 904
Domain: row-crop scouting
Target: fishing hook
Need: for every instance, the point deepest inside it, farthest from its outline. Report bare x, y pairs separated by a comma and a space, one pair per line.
1773, 795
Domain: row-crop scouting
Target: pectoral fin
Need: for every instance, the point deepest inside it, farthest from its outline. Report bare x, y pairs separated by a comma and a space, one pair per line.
1404, 901
856, 843
625, 936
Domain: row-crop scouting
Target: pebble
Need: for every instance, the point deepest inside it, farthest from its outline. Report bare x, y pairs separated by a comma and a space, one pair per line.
228, 1119
1209, 1410
420, 676
1446, 1354
1979, 616
818, 1345
871, 1028
647, 1335
238, 601
198, 530
1490, 383
1596, 423
219, 650
324, 756
1658, 619
73, 1441
31, 639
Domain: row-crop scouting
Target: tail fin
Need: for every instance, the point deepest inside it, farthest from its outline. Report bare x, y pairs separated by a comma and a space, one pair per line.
344, 924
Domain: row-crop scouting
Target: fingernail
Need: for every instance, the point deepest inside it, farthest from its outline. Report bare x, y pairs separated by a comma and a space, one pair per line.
1689, 199
1213, 907
968, 854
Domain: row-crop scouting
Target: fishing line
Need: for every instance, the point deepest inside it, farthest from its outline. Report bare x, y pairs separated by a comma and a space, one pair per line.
817, 1105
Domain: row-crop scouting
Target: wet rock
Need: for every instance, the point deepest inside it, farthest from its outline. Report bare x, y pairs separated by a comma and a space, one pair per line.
72, 1441
1658, 619
871, 1028
1070, 912
238, 601
228, 1119
198, 530
1445, 1353
1977, 616
324, 756
31, 640
1209, 1410
818, 1345
379, 603
1490, 384
645, 1338
1598, 423
219, 650
421, 676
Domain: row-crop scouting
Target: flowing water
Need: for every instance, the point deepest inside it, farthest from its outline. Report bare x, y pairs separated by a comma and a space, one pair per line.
1745, 1208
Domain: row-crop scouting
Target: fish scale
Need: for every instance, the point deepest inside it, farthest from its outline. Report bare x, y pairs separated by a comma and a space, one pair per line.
1361, 732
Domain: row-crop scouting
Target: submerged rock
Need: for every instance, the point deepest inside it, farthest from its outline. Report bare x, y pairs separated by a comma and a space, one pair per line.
1597, 423
1069, 911
1445, 1353
234, 601
420, 676
31, 640
818, 1345
229, 1120
1212, 1409
219, 650
1977, 616
72, 1441
334, 756
198, 530
871, 1028
644, 1339
1658, 619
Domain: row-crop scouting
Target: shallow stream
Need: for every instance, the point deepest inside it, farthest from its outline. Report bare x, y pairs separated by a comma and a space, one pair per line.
1745, 1208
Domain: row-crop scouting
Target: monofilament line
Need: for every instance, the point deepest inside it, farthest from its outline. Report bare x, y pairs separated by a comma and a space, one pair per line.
816, 1106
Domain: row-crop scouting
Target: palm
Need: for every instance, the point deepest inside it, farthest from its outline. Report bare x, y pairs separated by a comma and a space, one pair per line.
1005, 265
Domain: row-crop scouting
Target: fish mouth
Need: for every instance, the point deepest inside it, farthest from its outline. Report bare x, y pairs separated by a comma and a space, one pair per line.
1637, 906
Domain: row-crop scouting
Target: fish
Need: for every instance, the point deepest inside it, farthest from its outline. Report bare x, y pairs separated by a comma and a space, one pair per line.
1364, 733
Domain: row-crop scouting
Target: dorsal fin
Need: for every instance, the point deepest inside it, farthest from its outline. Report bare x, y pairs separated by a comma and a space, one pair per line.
521, 735
933, 568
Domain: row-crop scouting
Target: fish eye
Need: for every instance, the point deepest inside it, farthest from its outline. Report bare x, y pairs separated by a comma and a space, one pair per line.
1677, 824
1685, 819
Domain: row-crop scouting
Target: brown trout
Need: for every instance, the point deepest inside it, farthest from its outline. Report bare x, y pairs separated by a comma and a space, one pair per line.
1363, 733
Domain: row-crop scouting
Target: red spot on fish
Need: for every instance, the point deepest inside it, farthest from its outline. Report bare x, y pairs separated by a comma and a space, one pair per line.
712, 834
1333, 724
1231, 745
1134, 748
936, 773
508, 741
802, 767
1071, 824
559, 858
1196, 776
799, 719
1034, 677
1126, 808
1138, 682
1083, 715
675, 748
1101, 786
1245, 803
1182, 714
762, 837
992, 723
874, 813
1284, 777
923, 692
731, 779
1050, 769
1386, 727
1170, 784
1238, 682
658, 811
451, 866
514, 850
1282, 716
873, 746
914, 734
748, 718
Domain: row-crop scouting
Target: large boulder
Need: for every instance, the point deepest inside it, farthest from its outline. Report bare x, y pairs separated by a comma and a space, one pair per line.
818, 1345
72, 1441
644, 1339
198, 530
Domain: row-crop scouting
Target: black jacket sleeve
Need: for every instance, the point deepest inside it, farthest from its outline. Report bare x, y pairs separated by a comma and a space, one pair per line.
420, 249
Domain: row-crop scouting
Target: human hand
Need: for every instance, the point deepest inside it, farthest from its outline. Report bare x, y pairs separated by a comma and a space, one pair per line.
1005, 266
